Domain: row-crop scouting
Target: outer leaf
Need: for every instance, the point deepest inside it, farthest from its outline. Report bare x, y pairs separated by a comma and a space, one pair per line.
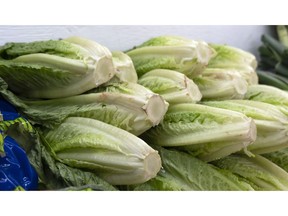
164, 181
182, 171
262, 172
270, 95
279, 157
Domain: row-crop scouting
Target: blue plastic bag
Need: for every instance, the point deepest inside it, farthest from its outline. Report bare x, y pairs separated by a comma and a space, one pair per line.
15, 169
8, 111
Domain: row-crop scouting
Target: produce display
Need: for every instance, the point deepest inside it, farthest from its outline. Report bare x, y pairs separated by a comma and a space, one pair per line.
170, 114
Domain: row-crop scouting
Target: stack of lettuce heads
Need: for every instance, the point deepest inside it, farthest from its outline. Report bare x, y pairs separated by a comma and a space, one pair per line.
169, 114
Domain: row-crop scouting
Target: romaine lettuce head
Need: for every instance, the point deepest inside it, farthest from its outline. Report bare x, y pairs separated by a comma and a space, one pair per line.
55, 68
221, 84
115, 155
230, 54
171, 52
234, 58
206, 132
173, 86
271, 124
129, 106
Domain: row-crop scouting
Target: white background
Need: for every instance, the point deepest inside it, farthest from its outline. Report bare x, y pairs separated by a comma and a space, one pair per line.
123, 37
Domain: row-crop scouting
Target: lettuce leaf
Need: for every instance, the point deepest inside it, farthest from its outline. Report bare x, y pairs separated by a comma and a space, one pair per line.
183, 172
266, 175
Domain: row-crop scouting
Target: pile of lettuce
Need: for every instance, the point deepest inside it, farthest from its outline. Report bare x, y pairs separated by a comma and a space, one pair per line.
169, 114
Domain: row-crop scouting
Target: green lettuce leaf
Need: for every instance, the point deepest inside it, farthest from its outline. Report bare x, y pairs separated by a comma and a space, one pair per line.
279, 157
263, 173
268, 94
2, 152
183, 172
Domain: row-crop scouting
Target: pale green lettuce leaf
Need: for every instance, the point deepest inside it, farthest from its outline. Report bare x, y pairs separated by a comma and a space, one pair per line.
268, 94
